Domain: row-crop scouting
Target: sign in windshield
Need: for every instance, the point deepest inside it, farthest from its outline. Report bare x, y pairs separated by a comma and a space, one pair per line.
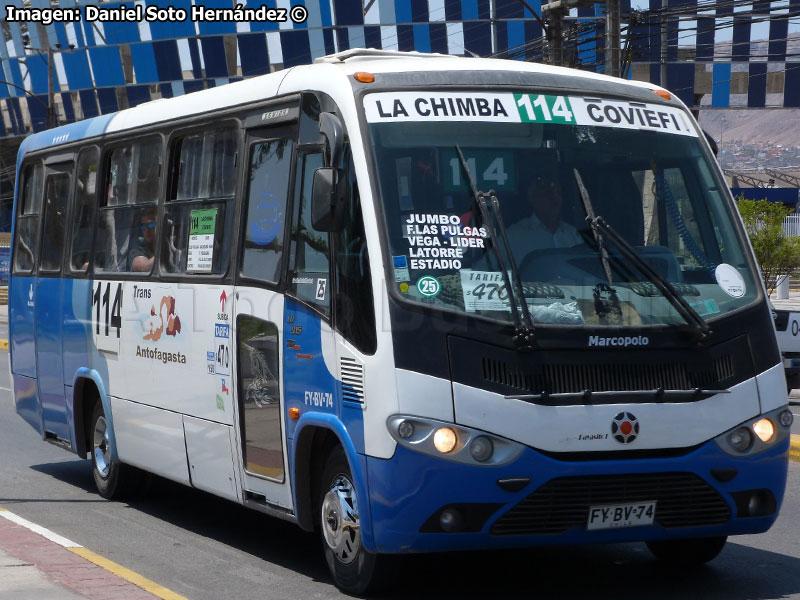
394, 107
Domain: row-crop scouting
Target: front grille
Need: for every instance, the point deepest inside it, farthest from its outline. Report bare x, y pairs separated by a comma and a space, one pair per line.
682, 500
602, 377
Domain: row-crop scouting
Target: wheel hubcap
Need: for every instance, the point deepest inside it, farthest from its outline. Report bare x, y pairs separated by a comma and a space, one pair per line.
340, 520
102, 453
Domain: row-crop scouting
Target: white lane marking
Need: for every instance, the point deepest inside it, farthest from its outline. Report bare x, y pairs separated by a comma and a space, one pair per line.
6, 389
53, 537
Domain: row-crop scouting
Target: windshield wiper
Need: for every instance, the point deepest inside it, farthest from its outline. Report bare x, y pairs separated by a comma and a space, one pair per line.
602, 230
524, 337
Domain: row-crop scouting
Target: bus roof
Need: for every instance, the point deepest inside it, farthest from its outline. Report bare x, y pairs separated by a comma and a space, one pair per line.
332, 69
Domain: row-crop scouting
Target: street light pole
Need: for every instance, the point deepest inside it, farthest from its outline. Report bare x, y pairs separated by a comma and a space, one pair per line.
51, 97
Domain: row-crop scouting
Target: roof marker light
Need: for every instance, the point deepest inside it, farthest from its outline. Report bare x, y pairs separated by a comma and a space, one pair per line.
364, 77
663, 94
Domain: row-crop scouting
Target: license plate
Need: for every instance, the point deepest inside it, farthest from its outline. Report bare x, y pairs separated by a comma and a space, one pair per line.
613, 516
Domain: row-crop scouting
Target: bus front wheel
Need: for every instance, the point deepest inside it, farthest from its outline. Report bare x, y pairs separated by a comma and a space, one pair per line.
686, 552
111, 477
354, 569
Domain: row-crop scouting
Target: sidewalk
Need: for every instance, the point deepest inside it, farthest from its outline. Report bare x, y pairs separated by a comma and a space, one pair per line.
36, 563
791, 303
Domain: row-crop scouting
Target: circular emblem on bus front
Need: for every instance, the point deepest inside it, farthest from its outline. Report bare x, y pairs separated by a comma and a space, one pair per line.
625, 427
429, 286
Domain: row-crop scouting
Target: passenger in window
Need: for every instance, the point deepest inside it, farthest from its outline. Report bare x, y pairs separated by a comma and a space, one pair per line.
143, 250
544, 228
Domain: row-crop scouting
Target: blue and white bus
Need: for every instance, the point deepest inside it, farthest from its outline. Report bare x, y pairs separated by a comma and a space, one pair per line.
415, 302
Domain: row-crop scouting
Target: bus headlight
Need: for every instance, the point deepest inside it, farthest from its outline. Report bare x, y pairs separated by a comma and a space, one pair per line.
452, 442
764, 429
405, 429
444, 440
741, 439
481, 448
756, 435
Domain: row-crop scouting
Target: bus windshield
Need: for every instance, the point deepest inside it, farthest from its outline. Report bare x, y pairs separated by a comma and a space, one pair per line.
551, 162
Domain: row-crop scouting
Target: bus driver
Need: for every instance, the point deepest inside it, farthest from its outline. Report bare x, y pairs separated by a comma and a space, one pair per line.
544, 228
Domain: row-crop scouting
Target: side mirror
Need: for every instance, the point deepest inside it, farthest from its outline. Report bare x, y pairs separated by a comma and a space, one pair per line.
711, 142
328, 198
331, 127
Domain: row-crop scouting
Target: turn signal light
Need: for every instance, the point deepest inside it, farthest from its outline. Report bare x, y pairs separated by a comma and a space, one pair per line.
294, 413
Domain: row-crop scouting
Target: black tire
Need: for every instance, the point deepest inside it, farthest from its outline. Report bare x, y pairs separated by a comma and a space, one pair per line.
354, 570
113, 479
687, 552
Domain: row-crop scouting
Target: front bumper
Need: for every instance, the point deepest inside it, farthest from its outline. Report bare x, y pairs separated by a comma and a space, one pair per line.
409, 491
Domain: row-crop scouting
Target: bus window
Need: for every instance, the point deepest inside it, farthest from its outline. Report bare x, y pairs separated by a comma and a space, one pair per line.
27, 229
355, 310
260, 392
198, 214
126, 229
268, 187
82, 228
205, 165
309, 253
56, 194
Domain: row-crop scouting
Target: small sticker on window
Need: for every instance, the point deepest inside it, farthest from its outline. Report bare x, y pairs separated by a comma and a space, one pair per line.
730, 280
429, 286
322, 285
401, 268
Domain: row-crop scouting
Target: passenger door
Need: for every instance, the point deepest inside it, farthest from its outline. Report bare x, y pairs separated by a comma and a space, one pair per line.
259, 311
48, 299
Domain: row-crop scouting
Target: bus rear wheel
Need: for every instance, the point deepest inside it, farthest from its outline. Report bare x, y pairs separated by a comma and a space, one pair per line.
687, 552
354, 569
112, 478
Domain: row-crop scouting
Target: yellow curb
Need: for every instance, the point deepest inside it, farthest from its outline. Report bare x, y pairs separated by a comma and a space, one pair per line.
127, 574
3, 344
794, 449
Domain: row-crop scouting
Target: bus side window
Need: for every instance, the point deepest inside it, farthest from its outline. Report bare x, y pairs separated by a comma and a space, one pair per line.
83, 211
355, 310
199, 210
27, 227
268, 188
56, 197
126, 228
309, 254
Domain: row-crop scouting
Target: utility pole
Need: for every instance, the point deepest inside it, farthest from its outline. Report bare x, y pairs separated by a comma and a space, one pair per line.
612, 38
52, 121
664, 42
555, 37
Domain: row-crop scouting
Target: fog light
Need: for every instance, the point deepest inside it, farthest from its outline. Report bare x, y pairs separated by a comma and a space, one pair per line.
481, 448
765, 430
451, 520
444, 440
741, 439
755, 506
405, 430
786, 418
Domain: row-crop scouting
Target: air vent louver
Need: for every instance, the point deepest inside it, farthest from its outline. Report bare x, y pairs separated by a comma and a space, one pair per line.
352, 380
